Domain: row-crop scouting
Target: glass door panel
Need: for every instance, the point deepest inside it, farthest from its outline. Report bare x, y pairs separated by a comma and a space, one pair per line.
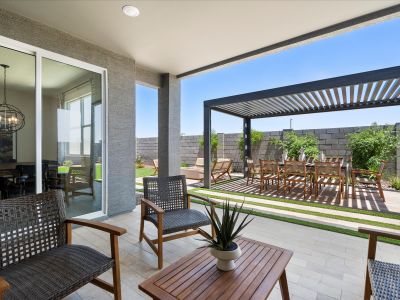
18, 148
71, 150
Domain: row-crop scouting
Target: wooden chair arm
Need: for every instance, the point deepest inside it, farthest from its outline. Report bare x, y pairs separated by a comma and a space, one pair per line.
4, 285
374, 232
364, 172
152, 205
111, 229
210, 201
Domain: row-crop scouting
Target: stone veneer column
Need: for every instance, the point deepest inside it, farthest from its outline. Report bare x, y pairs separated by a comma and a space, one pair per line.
169, 125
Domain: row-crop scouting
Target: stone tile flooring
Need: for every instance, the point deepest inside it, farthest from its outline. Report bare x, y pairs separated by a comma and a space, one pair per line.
325, 265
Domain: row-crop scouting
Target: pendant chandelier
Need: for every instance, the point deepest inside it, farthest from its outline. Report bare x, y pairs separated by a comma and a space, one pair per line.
11, 118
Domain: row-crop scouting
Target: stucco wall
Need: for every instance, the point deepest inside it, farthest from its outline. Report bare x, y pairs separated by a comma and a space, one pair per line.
121, 98
332, 141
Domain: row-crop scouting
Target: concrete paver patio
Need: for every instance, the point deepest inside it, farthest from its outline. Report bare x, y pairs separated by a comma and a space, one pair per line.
325, 265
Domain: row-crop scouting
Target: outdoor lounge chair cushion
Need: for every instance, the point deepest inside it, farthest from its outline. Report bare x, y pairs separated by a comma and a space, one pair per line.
180, 219
385, 279
54, 274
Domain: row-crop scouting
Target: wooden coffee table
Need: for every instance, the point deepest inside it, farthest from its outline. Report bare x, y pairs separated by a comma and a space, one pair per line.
196, 276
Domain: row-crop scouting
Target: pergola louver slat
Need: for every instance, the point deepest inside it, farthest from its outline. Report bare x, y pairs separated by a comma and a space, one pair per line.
384, 89
351, 95
359, 93
376, 90
344, 95
337, 97
367, 92
393, 88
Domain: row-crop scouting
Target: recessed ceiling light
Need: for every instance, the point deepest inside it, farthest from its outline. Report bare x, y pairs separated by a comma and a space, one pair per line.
130, 11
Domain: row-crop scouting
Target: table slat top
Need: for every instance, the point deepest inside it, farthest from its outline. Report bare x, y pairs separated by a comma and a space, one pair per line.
196, 276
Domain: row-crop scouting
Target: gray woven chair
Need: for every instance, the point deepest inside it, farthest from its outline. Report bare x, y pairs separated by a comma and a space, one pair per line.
166, 204
37, 258
382, 279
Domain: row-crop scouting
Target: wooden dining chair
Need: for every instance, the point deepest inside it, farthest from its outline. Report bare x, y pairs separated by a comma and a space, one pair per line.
329, 173
368, 178
155, 166
252, 170
295, 172
269, 171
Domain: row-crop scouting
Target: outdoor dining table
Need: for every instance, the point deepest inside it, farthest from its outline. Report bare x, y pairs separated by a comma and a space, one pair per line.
344, 167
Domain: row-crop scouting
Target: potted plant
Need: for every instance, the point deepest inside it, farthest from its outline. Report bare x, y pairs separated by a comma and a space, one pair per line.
227, 229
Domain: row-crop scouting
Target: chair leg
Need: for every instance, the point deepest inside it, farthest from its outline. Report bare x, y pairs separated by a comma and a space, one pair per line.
284, 187
116, 269
141, 224
160, 241
353, 190
367, 289
380, 190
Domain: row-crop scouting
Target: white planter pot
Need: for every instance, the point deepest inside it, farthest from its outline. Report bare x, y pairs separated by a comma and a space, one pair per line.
226, 259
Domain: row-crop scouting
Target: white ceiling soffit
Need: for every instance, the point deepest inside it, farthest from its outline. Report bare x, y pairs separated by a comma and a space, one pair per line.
180, 36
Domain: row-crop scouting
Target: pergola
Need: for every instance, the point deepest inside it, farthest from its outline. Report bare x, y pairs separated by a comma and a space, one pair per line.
378, 88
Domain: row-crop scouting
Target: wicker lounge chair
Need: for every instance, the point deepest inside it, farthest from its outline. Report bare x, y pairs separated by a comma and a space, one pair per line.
166, 204
40, 262
367, 177
382, 279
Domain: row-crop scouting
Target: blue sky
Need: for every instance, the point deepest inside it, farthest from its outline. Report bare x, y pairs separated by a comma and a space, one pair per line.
364, 49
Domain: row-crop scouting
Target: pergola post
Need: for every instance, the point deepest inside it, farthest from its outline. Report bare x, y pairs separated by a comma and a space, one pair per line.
247, 143
207, 146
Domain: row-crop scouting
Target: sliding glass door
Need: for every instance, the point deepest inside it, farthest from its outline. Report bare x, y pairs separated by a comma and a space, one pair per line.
72, 135
62, 144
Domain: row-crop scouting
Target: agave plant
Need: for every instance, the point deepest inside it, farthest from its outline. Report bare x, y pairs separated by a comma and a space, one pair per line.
226, 229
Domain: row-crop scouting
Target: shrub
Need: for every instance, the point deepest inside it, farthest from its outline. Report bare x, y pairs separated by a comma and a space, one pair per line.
184, 165
395, 182
256, 139
372, 145
214, 144
139, 162
293, 143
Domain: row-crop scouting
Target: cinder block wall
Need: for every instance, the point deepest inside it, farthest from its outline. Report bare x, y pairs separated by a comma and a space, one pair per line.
332, 141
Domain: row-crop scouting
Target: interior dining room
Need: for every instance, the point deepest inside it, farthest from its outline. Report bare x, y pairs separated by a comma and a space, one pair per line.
71, 117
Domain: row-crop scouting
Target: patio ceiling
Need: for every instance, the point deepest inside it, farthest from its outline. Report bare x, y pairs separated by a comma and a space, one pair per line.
186, 37
376, 88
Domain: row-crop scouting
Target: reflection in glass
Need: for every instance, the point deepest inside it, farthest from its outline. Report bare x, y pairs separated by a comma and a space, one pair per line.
17, 150
72, 108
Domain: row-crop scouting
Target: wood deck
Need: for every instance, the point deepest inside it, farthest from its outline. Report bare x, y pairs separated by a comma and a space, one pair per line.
367, 198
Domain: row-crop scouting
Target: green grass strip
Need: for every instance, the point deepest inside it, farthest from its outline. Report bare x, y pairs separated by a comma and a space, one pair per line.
313, 213
308, 224
388, 215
